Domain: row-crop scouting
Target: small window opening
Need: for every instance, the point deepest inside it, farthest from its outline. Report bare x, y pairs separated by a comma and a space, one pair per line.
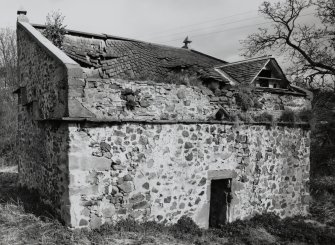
263, 82
24, 97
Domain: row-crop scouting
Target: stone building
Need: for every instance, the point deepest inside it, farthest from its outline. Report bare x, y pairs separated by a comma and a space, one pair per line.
110, 127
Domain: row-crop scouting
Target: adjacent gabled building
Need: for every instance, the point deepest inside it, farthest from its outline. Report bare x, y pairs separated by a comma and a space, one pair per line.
111, 127
263, 72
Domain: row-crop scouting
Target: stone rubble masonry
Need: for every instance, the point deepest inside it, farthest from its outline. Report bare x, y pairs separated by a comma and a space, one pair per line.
46, 75
160, 101
42, 76
161, 172
51, 79
97, 172
43, 162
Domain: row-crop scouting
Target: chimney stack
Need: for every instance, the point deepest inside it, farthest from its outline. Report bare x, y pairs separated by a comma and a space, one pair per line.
22, 15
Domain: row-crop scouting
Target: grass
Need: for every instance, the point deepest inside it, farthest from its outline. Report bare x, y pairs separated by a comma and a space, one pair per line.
323, 190
24, 220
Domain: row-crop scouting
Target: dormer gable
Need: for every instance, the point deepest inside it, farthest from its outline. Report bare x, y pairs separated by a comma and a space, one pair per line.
262, 72
271, 76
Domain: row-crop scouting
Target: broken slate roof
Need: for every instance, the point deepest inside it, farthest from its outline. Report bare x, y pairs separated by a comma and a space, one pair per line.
114, 56
244, 71
109, 56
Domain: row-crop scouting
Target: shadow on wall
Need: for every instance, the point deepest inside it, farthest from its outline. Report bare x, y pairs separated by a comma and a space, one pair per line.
43, 167
10, 192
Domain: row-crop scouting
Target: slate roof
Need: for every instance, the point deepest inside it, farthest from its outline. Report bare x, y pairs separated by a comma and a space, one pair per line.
121, 57
244, 71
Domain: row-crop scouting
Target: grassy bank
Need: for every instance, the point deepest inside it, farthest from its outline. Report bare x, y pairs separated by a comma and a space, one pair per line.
23, 220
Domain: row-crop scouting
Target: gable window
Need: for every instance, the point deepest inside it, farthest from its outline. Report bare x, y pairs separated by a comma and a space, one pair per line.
263, 82
269, 77
264, 77
265, 73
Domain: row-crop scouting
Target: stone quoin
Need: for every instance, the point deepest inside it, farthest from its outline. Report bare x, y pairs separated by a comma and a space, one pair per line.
110, 127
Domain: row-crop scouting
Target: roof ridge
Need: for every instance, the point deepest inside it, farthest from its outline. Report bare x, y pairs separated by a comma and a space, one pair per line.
107, 36
247, 60
209, 56
88, 34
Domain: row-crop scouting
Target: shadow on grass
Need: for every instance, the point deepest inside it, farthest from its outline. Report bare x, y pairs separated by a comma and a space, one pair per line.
10, 192
261, 229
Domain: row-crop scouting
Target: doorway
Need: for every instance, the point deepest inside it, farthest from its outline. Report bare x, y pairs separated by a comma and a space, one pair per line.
219, 202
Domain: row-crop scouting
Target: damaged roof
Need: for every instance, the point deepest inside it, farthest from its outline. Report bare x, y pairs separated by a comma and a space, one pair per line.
112, 56
120, 57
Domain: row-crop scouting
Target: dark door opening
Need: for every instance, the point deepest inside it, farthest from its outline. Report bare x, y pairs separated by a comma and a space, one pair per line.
219, 202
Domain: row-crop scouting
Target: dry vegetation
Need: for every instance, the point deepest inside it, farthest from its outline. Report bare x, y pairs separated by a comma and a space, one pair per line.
24, 220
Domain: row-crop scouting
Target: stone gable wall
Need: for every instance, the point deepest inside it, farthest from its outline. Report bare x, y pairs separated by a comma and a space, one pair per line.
42, 146
107, 99
163, 171
43, 77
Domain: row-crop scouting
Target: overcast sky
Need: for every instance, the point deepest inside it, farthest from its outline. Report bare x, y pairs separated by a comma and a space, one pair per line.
214, 26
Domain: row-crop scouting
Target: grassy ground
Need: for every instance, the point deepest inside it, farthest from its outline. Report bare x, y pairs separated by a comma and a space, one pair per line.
23, 220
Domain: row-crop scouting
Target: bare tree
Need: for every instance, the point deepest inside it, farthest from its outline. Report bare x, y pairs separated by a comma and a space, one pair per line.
8, 81
310, 47
8, 57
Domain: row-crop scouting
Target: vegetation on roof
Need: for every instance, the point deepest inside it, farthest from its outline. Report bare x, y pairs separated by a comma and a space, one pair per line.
55, 29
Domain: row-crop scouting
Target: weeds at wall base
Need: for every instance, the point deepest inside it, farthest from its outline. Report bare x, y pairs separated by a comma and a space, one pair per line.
287, 230
252, 231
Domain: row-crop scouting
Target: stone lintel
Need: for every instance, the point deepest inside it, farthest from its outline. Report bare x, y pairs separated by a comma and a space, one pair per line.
222, 174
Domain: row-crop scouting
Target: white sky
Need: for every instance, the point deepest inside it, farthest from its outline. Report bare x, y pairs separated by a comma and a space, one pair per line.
214, 26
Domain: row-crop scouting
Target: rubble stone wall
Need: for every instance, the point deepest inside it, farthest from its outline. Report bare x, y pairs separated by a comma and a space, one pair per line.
163, 171
111, 99
43, 77
95, 173
43, 161
42, 146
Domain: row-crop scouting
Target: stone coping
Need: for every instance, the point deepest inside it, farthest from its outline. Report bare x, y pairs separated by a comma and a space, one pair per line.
122, 121
72, 68
89, 34
47, 45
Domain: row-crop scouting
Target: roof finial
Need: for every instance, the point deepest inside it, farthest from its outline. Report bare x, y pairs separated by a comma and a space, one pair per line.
186, 43
22, 15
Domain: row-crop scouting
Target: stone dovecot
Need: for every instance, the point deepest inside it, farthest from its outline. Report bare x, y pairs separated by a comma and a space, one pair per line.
110, 127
